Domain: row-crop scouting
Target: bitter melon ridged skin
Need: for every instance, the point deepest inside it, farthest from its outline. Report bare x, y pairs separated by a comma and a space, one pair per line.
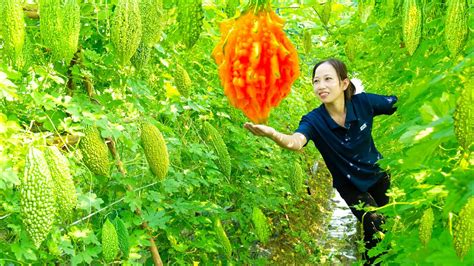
389, 8
326, 12
351, 47
307, 42
155, 149
222, 237
456, 28
123, 237
12, 27
182, 81
464, 116
412, 22
426, 226
110, 242
463, 236
152, 15
141, 56
60, 26
126, 31
50, 13
95, 152
296, 179
214, 139
71, 26
365, 9
37, 200
190, 16
64, 189
262, 228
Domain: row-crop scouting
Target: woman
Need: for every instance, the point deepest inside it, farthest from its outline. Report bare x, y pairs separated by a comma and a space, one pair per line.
341, 130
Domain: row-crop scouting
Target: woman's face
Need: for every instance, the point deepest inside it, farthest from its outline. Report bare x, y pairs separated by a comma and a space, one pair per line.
326, 84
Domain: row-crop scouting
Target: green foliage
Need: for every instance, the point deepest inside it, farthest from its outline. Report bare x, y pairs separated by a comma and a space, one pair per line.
231, 7
365, 8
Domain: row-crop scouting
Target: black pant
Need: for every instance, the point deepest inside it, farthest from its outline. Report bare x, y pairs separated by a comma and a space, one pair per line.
375, 197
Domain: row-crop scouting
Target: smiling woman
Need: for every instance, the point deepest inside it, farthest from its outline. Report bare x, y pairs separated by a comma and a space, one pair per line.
341, 129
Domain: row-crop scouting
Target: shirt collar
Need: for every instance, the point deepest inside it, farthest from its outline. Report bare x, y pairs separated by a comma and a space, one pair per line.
350, 115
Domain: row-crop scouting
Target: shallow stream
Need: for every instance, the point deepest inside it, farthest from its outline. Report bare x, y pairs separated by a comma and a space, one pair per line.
341, 233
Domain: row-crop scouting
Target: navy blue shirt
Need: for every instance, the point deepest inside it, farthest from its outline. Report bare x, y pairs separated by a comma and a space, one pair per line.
349, 152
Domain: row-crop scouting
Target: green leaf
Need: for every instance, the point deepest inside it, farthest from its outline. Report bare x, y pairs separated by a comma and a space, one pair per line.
88, 201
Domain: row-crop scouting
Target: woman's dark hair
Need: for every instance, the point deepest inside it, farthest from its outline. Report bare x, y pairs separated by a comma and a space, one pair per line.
341, 71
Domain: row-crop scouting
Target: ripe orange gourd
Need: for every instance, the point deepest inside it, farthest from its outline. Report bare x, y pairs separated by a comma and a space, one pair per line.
257, 62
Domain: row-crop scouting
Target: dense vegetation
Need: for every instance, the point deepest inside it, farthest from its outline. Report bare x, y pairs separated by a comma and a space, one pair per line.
115, 85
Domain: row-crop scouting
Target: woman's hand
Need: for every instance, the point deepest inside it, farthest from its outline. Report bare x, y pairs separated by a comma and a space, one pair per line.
292, 142
260, 130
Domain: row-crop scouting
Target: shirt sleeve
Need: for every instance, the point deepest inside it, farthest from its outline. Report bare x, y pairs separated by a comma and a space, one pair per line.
381, 104
307, 129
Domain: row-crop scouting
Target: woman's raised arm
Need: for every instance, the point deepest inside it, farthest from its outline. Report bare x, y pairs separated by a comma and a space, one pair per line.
291, 142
